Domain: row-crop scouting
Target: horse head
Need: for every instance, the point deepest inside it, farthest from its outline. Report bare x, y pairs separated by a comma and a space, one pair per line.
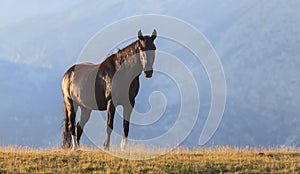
147, 52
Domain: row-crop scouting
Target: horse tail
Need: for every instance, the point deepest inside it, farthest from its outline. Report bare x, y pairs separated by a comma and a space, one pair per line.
66, 135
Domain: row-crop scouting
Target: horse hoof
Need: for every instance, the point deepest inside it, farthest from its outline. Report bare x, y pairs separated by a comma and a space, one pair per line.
123, 147
106, 148
77, 150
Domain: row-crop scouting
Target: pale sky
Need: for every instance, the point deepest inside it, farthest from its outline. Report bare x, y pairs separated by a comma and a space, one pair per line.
12, 11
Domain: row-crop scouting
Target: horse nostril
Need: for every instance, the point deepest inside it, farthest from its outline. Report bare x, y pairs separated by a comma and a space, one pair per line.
148, 73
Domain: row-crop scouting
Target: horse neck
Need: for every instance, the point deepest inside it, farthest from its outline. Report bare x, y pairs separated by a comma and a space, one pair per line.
128, 59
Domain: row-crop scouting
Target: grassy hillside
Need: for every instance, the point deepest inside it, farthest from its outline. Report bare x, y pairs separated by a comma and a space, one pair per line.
204, 160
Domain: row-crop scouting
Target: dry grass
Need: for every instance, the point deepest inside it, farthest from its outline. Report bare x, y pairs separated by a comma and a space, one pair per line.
200, 160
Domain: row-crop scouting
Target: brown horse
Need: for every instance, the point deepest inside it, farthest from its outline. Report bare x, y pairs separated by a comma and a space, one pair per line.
104, 86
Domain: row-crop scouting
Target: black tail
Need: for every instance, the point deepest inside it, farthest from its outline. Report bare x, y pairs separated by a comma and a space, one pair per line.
66, 135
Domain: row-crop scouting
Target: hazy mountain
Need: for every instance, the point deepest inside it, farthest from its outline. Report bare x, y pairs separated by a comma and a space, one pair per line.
260, 54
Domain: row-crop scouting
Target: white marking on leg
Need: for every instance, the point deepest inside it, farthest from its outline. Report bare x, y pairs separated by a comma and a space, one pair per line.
123, 144
73, 143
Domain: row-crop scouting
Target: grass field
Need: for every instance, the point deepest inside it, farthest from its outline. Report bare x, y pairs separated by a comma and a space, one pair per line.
202, 160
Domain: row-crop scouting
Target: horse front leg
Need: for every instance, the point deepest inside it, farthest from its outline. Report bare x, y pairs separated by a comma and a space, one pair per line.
109, 123
126, 120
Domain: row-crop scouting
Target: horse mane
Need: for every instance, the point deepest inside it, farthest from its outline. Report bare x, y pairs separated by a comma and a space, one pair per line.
120, 56
128, 51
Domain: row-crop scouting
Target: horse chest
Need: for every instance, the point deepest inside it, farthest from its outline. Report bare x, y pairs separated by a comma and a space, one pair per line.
122, 92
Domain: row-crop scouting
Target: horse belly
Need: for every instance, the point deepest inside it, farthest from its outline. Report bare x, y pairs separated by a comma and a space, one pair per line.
84, 97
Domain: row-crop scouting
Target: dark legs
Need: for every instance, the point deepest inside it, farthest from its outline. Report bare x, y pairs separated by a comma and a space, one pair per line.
66, 136
84, 117
69, 123
73, 134
109, 123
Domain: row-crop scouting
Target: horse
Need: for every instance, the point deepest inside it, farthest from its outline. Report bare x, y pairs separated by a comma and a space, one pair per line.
104, 86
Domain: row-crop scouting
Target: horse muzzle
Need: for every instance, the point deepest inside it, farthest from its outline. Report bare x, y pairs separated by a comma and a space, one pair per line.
148, 74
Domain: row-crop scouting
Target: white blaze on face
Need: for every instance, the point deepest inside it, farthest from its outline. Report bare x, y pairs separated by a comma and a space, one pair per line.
143, 58
149, 60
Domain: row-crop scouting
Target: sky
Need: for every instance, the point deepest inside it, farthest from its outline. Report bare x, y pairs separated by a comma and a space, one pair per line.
15, 11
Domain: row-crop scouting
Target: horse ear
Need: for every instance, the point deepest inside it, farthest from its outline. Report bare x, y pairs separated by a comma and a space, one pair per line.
154, 34
140, 35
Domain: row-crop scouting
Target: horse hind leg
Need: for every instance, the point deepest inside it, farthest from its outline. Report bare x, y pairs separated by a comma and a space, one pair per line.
84, 117
71, 108
66, 137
